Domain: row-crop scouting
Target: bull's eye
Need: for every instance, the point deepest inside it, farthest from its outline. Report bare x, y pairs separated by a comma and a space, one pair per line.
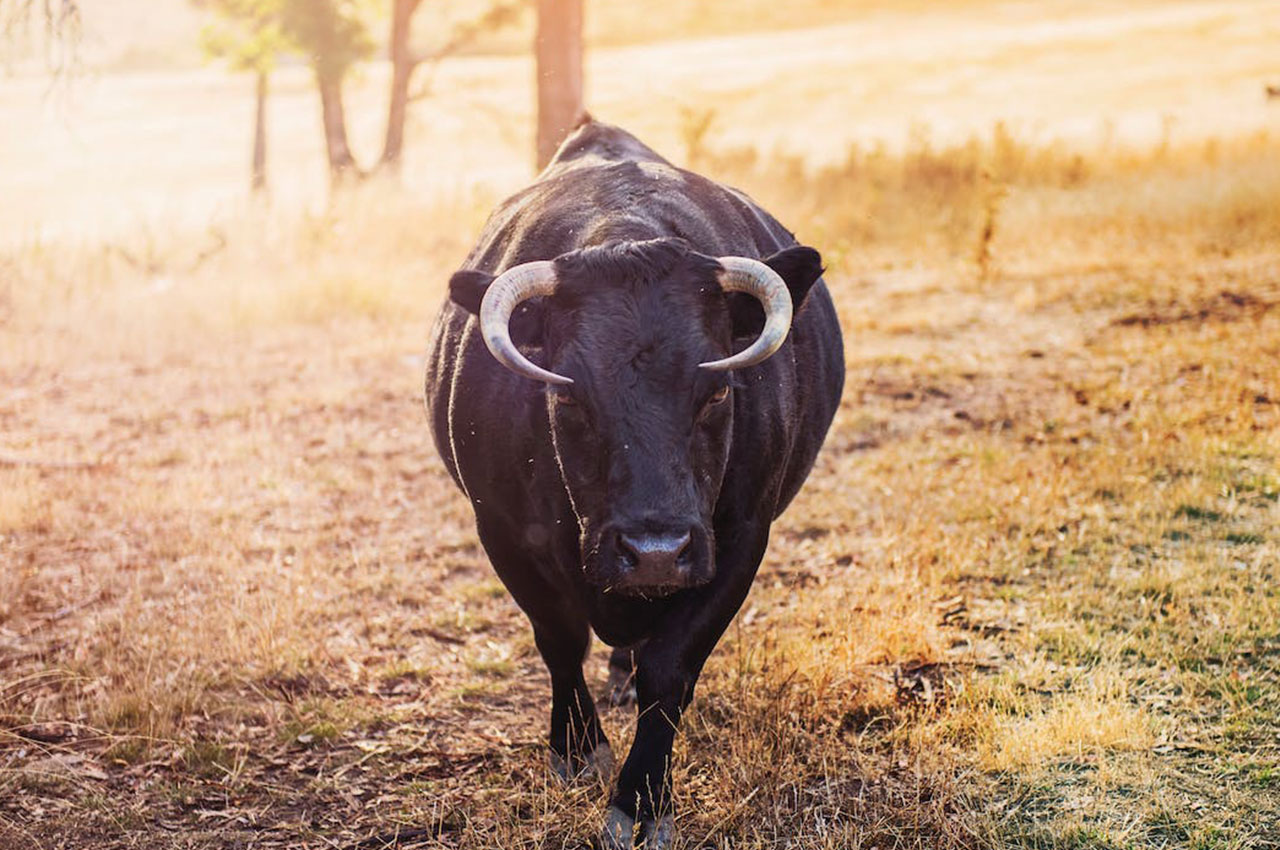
717, 398
565, 399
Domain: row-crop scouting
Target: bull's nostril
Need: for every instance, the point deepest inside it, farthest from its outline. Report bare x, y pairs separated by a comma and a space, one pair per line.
630, 557
685, 557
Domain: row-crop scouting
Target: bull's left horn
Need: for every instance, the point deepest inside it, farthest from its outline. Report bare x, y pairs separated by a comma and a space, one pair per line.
767, 286
516, 284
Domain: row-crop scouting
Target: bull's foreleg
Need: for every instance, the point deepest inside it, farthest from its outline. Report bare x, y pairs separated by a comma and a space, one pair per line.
666, 671
643, 792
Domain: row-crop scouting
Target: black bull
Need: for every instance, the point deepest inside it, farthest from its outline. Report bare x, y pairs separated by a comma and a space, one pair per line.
635, 501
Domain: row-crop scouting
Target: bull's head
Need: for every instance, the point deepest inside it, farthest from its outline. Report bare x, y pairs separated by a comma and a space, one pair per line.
638, 341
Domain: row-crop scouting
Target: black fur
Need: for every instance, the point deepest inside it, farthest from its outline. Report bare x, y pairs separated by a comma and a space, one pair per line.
643, 438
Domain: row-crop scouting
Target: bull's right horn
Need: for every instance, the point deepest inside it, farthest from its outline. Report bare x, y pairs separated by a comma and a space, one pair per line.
516, 284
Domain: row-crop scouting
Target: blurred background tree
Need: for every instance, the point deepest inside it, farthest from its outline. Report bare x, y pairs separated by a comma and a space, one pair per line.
405, 61
558, 66
249, 36
334, 36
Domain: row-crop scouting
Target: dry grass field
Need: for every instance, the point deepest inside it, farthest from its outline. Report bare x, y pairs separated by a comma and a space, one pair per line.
1030, 597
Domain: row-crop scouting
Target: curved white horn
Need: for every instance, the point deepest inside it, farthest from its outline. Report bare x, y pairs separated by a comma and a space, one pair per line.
516, 284
767, 286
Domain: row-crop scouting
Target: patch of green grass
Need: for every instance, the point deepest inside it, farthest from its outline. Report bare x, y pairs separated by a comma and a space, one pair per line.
112, 817
131, 749
323, 720
1087, 838
1266, 487
494, 667
486, 589
1080, 644
1169, 827
1244, 538
476, 689
209, 759
404, 670
312, 734
462, 621
1214, 837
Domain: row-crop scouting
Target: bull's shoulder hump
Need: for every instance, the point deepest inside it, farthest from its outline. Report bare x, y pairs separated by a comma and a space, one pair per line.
596, 188
595, 142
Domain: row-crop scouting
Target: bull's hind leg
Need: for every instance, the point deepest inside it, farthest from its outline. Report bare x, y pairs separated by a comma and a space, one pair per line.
622, 679
562, 634
578, 743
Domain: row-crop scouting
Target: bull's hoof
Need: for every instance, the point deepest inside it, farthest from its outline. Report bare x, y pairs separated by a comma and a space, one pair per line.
619, 832
659, 834
595, 765
561, 769
600, 763
621, 688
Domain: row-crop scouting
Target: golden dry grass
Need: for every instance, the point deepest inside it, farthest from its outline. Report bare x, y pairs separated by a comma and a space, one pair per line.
1027, 599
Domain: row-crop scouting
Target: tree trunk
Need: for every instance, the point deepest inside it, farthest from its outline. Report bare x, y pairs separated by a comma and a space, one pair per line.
402, 65
341, 162
258, 182
558, 50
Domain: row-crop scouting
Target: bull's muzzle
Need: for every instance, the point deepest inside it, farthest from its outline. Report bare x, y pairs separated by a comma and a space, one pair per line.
647, 562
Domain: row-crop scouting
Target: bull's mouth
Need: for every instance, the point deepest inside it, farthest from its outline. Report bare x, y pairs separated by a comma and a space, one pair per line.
616, 588
648, 593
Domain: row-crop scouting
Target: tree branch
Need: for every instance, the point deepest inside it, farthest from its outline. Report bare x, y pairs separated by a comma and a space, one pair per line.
63, 29
502, 13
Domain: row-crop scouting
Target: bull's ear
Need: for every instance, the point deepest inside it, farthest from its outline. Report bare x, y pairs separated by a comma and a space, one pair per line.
467, 288
799, 267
